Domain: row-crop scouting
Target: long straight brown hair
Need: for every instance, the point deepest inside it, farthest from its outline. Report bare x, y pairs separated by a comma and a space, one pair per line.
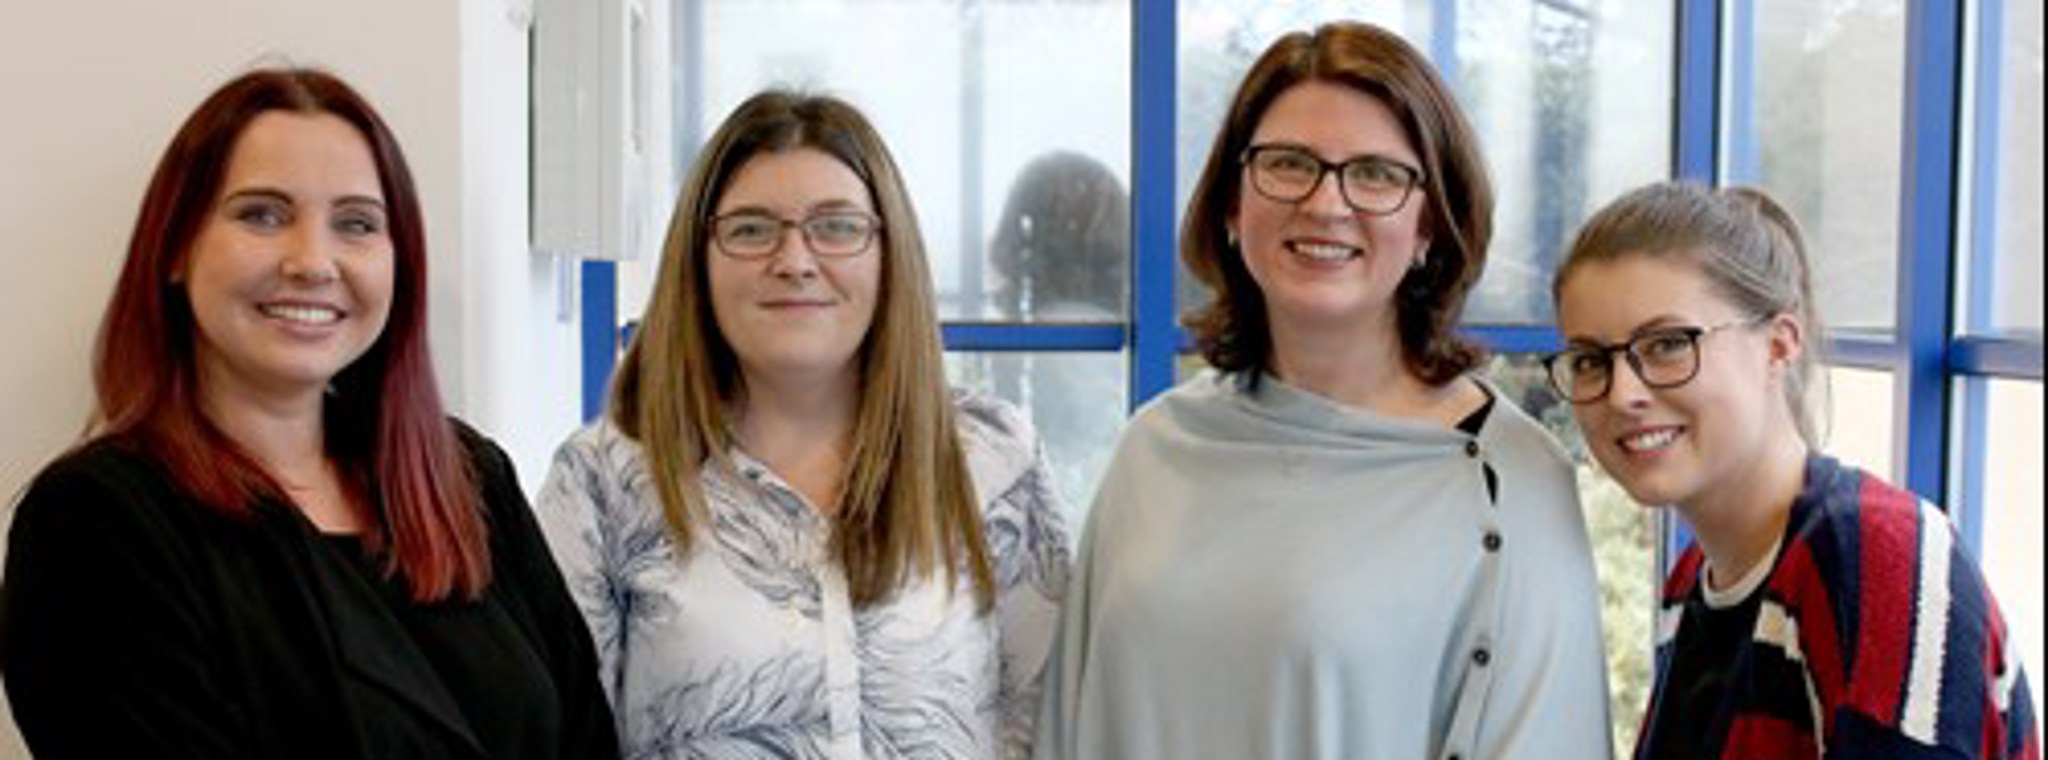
907, 508
384, 423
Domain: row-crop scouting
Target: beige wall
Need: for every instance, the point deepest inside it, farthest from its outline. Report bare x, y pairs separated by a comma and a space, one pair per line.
93, 91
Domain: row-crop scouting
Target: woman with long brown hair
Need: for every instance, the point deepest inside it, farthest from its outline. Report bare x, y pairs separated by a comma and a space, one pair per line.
273, 543
790, 539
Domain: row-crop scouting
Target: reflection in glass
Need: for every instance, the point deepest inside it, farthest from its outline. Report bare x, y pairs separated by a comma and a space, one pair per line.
1063, 243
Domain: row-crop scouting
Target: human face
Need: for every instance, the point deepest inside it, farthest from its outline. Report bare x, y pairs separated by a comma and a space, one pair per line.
794, 315
290, 275
1320, 263
1678, 445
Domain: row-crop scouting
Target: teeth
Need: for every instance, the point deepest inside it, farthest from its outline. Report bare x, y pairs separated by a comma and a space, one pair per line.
311, 315
1324, 251
1650, 441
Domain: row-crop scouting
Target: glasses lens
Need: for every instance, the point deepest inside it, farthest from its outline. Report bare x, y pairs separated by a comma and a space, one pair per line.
1580, 374
1285, 173
748, 234
1667, 357
839, 234
1377, 186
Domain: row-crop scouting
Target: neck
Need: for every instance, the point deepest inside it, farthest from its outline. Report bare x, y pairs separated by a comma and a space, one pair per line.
1363, 366
1738, 522
286, 435
803, 431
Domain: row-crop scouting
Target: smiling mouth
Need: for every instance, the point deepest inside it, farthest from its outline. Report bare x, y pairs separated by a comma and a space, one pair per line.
301, 314
1649, 441
1324, 252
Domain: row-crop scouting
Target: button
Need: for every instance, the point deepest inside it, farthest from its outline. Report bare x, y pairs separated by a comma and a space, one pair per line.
1481, 657
1472, 449
1492, 541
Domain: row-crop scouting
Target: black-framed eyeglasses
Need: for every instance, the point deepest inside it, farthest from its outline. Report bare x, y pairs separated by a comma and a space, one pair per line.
1373, 185
758, 235
1666, 357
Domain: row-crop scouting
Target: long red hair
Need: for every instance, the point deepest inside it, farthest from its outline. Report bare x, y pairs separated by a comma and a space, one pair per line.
386, 431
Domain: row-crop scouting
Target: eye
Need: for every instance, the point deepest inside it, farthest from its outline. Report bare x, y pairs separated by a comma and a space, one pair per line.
262, 214
1586, 363
838, 227
1376, 173
1289, 164
1664, 346
751, 228
359, 224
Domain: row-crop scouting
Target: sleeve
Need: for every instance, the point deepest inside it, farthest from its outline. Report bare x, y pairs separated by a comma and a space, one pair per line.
1939, 676
1067, 660
571, 508
107, 646
1028, 533
588, 730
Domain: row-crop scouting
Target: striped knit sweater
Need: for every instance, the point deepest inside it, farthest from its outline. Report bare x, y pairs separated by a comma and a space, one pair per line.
1876, 637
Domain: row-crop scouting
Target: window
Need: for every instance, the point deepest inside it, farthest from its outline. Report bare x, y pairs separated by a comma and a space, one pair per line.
1814, 102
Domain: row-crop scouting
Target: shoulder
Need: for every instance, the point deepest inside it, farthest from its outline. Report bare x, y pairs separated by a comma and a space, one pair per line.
1512, 429
997, 438
102, 480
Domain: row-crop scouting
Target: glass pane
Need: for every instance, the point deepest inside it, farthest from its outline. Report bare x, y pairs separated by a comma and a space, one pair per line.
1624, 536
1858, 425
1076, 400
1820, 129
966, 102
2011, 508
1556, 91
2016, 292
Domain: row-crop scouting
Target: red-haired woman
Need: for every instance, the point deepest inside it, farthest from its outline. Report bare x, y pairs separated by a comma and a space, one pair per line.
272, 542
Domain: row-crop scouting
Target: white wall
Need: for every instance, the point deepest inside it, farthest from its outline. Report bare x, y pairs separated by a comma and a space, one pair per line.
95, 89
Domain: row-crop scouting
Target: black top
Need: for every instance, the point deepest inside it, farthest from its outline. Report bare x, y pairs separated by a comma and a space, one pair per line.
1703, 670
135, 622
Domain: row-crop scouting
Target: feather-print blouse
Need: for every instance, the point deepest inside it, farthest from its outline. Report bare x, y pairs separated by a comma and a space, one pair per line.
749, 645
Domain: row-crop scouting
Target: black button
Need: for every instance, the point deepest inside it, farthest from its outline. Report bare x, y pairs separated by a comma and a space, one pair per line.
1481, 657
1472, 449
1492, 541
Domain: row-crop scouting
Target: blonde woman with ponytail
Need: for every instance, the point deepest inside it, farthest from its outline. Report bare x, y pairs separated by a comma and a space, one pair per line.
1820, 611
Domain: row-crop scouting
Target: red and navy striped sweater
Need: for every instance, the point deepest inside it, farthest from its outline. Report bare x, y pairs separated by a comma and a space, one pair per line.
1876, 637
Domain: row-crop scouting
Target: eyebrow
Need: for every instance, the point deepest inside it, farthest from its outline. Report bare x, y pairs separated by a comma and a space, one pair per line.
1366, 156
275, 194
824, 206
1659, 322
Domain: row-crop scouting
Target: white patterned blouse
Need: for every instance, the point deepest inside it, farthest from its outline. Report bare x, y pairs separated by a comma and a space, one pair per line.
749, 646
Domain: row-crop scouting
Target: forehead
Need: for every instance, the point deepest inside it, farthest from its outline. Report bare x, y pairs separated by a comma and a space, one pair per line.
1334, 119
1607, 300
794, 180
310, 153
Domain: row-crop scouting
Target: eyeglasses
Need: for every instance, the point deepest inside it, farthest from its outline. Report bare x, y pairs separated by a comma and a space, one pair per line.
1663, 358
1370, 184
756, 235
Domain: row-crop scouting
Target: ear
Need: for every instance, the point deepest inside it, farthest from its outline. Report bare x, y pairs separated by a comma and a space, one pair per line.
1787, 342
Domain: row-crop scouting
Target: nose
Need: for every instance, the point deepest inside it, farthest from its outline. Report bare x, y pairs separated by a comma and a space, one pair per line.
794, 258
308, 256
1327, 201
1625, 388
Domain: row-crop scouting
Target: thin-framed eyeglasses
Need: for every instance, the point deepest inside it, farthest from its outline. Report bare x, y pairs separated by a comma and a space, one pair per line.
752, 235
1666, 357
1374, 185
